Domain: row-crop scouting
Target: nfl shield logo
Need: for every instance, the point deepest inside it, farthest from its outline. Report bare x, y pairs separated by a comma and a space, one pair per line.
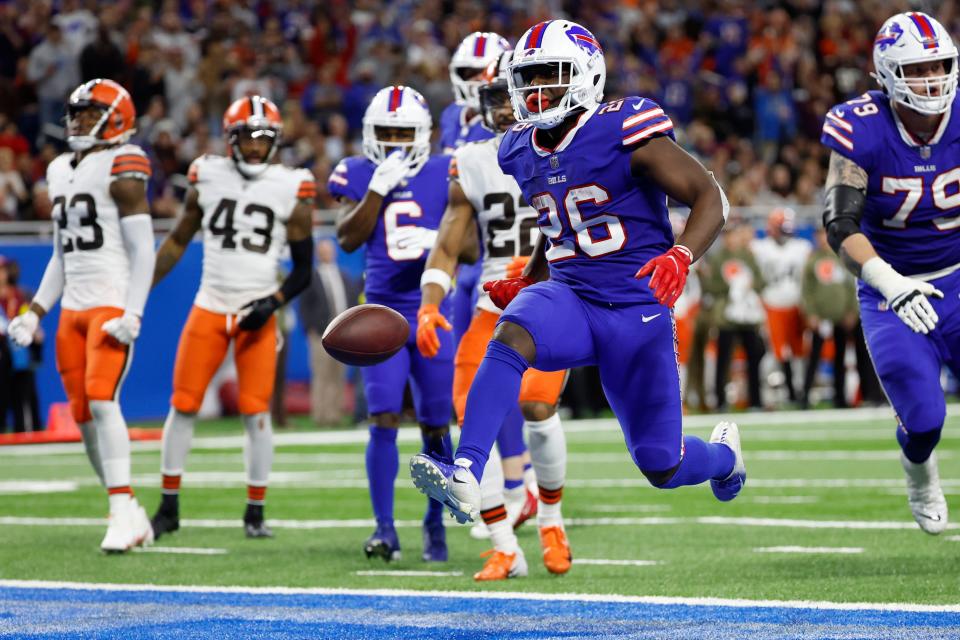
554, 162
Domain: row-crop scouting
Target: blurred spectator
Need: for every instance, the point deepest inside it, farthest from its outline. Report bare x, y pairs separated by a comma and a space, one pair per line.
18, 389
52, 67
735, 283
13, 193
328, 295
830, 306
782, 258
102, 58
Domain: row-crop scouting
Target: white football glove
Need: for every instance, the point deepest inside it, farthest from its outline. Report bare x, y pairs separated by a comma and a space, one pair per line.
22, 328
124, 329
389, 173
907, 297
415, 238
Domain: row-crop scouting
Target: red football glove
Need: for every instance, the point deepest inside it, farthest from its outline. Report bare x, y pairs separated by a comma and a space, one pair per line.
503, 291
669, 274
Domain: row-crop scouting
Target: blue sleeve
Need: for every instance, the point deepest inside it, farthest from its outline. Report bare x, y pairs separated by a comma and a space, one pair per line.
348, 181
641, 119
853, 135
449, 126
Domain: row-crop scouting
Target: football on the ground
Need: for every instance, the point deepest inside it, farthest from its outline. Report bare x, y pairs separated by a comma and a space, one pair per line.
366, 334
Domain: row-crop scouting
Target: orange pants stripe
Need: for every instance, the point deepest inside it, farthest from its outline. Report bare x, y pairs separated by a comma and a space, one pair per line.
537, 386
203, 346
786, 331
91, 363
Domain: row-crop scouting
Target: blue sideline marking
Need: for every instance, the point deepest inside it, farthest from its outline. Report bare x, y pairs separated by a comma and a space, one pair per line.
85, 613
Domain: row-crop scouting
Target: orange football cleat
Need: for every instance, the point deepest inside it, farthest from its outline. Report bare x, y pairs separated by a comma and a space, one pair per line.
556, 550
500, 566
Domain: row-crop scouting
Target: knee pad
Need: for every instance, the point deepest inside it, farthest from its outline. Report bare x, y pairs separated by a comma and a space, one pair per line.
185, 402
660, 479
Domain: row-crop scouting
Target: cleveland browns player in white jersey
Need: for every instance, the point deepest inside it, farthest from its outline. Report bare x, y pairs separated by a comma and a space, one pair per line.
480, 195
249, 210
100, 270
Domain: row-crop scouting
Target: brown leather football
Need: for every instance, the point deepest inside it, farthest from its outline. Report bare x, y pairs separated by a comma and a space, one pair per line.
366, 334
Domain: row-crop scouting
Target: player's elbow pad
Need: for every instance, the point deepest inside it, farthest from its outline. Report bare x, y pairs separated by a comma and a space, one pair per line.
301, 253
841, 214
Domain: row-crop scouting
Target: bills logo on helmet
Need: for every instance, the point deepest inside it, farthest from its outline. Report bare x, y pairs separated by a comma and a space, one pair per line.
583, 39
888, 36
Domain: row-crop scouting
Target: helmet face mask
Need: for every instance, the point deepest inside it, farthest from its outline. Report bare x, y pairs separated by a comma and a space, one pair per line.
906, 50
495, 107
557, 68
254, 129
99, 112
397, 118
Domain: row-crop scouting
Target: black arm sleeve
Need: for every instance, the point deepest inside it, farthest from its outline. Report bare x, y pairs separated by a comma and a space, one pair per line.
301, 252
842, 212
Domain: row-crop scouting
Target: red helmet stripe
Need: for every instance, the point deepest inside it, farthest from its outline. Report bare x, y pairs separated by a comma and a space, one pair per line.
536, 36
480, 46
396, 97
926, 30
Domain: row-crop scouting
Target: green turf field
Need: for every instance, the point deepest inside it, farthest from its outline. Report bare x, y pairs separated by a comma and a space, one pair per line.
835, 485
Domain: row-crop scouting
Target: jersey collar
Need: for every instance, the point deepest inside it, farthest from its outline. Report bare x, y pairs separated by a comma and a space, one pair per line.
911, 139
567, 139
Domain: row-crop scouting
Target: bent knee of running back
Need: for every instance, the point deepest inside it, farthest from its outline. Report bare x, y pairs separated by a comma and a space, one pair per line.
517, 338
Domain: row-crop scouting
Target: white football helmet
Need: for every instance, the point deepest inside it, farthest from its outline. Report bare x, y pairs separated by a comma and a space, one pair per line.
398, 106
909, 38
576, 61
473, 55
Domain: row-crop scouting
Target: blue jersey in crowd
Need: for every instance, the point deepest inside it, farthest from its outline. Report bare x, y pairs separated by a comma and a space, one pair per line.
601, 222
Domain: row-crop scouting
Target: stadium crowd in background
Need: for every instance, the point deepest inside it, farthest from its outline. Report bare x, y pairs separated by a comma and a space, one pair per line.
746, 83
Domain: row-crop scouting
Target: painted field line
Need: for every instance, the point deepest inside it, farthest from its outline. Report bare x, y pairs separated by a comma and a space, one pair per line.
409, 573
794, 523
783, 499
492, 595
617, 563
18, 487
190, 551
952, 538
625, 508
795, 549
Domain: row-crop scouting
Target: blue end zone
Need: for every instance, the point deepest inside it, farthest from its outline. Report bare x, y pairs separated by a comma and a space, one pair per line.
86, 613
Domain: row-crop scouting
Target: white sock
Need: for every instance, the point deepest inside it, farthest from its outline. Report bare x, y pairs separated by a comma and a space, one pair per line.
177, 435
258, 448
548, 453
119, 501
492, 505
88, 430
491, 483
113, 442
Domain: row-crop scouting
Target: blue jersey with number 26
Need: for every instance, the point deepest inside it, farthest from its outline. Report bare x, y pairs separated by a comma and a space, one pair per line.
912, 209
600, 221
393, 274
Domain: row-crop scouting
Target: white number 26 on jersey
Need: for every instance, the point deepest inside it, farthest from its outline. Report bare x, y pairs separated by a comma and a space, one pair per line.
391, 226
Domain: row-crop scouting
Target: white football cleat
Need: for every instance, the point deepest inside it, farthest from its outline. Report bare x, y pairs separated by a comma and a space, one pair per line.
122, 531
728, 434
926, 499
141, 524
451, 484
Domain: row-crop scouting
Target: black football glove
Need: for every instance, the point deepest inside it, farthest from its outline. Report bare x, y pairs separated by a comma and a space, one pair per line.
259, 312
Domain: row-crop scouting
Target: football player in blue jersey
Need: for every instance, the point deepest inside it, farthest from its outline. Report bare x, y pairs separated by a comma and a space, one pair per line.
605, 273
461, 123
392, 201
892, 212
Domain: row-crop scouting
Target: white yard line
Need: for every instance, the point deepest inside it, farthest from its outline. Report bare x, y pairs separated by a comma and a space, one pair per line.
408, 573
19, 487
190, 551
617, 563
493, 595
795, 523
794, 549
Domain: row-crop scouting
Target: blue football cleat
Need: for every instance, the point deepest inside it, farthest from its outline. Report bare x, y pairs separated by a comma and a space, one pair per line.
434, 542
383, 543
451, 484
727, 433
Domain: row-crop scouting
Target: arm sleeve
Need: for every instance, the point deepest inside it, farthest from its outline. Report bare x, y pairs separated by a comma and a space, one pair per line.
137, 233
51, 286
301, 252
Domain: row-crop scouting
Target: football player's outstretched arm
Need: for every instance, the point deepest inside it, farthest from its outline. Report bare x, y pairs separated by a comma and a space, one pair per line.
173, 246
684, 179
300, 239
454, 232
136, 227
845, 196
